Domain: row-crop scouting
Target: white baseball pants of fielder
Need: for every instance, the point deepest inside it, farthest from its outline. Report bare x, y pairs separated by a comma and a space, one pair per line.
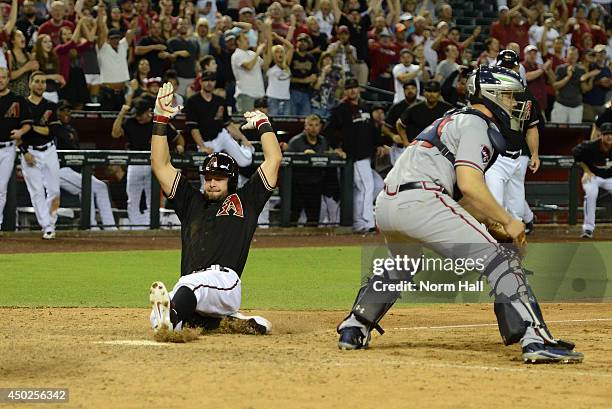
218, 291
70, 181
138, 181
363, 195
42, 180
224, 142
506, 181
7, 163
591, 190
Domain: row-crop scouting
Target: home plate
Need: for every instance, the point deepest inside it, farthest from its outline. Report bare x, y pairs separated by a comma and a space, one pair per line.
133, 342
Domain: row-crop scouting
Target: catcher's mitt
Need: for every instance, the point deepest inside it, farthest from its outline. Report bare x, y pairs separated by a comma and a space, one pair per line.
501, 235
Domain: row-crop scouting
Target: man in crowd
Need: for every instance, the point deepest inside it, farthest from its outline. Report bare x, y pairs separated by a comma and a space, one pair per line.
595, 159
570, 84
29, 23
410, 88
358, 25
184, 52
70, 176
596, 98
55, 24
405, 72
153, 48
247, 66
345, 54
449, 65
422, 114
303, 75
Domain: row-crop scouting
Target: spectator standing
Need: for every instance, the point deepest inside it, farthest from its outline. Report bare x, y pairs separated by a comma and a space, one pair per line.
202, 36
29, 23
303, 75
112, 52
72, 45
489, 55
405, 72
397, 109
247, 69
52, 26
20, 65
383, 53
570, 84
358, 26
307, 183
536, 75
184, 52
275, 12
48, 63
319, 39
595, 99
449, 65
594, 157
153, 48
329, 86
279, 77
343, 52
418, 117
326, 12
70, 177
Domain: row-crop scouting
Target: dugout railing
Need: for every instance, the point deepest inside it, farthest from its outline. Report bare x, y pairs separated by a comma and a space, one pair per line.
87, 160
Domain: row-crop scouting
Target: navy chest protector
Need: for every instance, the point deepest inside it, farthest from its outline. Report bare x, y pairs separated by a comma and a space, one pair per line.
433, 132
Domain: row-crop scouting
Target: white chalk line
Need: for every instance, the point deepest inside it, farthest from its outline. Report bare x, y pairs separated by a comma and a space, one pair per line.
132, 342
494, 325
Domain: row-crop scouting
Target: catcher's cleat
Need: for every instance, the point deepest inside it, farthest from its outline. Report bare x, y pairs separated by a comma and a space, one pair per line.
160, 303
586, 234
536, 353
253, 323
351, 338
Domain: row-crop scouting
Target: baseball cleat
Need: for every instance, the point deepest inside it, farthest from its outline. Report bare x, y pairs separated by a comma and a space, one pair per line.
48, 235
351, 338
257, 324
536, 353
529, 228
160, 304
586, 234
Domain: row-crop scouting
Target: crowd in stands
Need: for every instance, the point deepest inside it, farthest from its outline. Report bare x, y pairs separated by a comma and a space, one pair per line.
299, 54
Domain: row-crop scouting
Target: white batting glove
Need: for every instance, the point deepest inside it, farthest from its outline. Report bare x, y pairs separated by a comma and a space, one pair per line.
255, 120
164, 110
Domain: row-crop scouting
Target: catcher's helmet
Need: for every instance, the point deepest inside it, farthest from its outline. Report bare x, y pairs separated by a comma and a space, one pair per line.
222, 163
489, 85
507, 59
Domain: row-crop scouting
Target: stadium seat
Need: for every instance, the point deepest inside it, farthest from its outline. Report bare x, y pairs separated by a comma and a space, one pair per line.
464, 21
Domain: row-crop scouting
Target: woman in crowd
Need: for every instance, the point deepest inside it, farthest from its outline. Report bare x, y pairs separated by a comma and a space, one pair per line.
68, 53
48, 62
20, 64
138, 84
202, 35
279, 76
489, 55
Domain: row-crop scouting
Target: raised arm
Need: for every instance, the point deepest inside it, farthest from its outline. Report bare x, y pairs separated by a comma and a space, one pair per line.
160, 153
271, 149
102, 29
12, 19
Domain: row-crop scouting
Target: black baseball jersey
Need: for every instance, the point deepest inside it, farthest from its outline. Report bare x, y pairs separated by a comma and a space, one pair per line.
218, 232
351, 127
590, 153
210, 117
67, 139
139, 135
604, 117
419, 116
14, 113
43, 114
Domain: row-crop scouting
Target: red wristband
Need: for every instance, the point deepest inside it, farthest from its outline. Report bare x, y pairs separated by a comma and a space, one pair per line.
160, 118
261, 122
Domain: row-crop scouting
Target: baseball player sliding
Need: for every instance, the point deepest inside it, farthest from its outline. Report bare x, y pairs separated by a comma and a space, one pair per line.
417, 205
217, 226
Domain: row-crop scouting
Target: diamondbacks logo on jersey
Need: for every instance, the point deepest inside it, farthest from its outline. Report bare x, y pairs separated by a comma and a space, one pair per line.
233, 205
486, 154
44, 118
13, 111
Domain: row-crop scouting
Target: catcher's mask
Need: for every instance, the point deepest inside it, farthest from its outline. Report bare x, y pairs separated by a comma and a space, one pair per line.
220, 163
494, 87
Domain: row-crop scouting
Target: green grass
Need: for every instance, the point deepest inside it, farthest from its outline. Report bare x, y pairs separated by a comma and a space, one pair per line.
287, 278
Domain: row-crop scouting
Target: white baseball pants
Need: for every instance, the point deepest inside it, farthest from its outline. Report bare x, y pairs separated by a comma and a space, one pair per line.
591, 190
138, 181
224, 142
363, 195
506, 181
70, 181
42, 180
7, 163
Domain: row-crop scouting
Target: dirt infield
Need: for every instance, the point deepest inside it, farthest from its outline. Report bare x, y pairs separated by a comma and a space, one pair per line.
448, 356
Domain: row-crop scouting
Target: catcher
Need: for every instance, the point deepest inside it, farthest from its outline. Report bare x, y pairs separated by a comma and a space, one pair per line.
417, 204
217, 226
